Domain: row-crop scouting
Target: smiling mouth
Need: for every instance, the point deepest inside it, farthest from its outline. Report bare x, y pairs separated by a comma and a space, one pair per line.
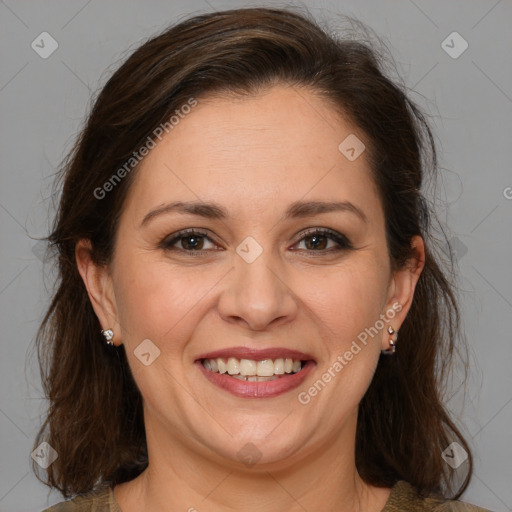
251, 370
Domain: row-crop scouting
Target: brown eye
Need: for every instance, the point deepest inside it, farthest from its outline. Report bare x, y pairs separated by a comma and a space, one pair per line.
188, 241
318, 241
191, 242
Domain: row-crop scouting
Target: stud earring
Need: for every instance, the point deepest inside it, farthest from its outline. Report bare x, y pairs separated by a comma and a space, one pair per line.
109, 335
391, 341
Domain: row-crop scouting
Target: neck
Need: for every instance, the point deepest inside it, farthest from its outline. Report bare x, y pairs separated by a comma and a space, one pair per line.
181, 478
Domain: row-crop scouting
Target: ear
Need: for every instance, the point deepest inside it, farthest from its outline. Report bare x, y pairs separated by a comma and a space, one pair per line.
401, 288
98, 282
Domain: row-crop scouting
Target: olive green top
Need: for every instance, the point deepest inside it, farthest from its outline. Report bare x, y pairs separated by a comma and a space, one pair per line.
403, 498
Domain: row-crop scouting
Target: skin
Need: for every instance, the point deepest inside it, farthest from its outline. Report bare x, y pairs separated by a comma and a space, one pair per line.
254, 156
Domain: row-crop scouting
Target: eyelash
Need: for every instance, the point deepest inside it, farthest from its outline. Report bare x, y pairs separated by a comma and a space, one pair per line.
341, 240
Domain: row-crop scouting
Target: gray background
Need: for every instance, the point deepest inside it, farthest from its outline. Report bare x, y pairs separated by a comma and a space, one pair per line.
43, 102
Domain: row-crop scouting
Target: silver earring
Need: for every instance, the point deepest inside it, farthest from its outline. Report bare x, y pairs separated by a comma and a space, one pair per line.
391, 341
109, 335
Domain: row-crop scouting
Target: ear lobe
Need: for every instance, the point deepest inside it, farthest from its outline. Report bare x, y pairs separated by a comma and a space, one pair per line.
403, 286
98, 283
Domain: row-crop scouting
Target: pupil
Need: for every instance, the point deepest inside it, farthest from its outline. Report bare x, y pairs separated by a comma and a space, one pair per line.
317, 244
194, 244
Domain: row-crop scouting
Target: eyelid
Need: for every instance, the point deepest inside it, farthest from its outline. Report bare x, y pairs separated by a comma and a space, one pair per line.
170, 240
342, 240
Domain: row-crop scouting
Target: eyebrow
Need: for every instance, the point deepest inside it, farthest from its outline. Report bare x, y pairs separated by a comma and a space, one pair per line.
201, 209
298, 209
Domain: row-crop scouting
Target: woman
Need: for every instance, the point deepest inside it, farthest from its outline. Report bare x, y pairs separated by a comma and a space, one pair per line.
250, 314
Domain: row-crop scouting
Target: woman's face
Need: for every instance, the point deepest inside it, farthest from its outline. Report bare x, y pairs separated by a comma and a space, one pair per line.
253, 282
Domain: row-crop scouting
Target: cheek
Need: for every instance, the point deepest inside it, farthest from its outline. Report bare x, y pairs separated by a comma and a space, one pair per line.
157, 300
347, 304
348, 299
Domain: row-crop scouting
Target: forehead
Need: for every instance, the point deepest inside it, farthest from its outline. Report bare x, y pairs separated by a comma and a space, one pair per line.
253, 153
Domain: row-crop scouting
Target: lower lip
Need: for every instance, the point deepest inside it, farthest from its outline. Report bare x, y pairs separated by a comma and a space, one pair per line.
265, 389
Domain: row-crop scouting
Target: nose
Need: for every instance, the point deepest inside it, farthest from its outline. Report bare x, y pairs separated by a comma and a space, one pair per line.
257, 295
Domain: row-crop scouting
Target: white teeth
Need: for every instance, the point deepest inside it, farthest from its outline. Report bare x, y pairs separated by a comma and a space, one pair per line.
247, 367
221, 364
255, 378
279, 366
233, 366
251, 370
266, 368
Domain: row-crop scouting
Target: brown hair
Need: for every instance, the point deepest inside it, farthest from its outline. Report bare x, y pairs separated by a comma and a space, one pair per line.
95, 420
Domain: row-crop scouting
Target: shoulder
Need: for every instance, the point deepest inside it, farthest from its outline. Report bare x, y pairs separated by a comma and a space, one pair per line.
404, 497
458, 506
99, 500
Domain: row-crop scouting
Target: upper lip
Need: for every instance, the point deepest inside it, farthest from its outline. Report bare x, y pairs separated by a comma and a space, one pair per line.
256, 354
